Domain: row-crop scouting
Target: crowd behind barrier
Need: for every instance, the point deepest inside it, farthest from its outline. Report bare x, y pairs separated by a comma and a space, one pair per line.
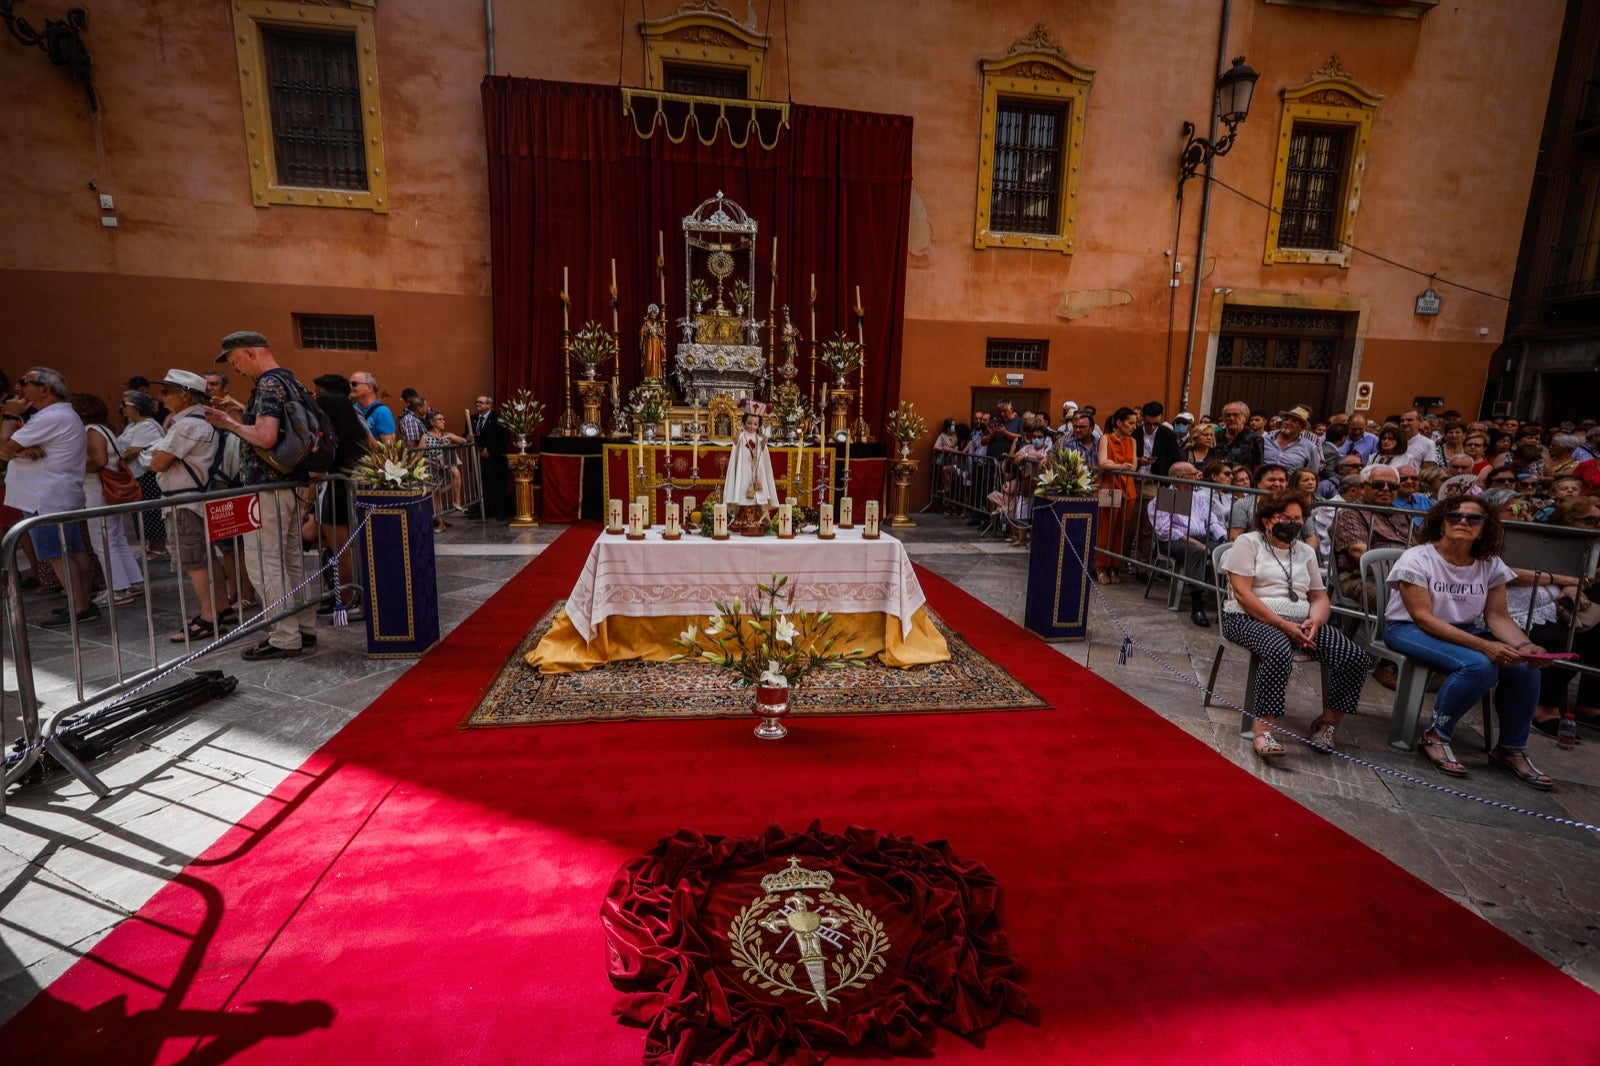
135, 641
959, 481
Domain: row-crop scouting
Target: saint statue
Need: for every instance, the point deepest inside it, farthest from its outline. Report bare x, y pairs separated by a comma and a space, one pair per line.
791, 338
750, 482
653, 343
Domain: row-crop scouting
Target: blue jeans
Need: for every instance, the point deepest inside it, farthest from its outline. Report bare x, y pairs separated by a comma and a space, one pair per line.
1469, 678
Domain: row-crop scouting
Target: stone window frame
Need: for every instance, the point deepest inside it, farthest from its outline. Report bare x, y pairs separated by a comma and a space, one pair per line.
249, 17
1330, 98
703, 35
1034, 71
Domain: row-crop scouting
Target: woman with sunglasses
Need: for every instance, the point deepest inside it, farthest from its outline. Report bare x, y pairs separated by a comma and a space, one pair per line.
1391, 447
1438, 592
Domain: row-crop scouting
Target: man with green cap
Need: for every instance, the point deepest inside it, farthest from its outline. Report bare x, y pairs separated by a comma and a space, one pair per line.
273, 555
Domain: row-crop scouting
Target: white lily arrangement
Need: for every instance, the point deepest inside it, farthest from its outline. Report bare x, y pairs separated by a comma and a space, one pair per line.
1064, 473
771, 644
393, 466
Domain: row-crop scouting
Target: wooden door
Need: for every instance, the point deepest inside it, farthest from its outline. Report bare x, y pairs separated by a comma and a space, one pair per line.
1274, 358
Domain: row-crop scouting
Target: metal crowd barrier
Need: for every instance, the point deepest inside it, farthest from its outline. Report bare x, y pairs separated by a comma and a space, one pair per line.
1535, 546
127, 647
456, 476
962, 484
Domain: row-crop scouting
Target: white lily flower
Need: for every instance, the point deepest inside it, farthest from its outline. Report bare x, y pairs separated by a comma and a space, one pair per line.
393, 471
783, 630
690, 635
714, 624
774, 675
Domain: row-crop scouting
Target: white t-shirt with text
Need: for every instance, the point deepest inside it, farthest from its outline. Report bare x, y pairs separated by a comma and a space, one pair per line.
1458, 592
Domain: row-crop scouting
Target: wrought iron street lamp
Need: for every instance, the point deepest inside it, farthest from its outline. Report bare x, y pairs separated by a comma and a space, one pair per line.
1235, 86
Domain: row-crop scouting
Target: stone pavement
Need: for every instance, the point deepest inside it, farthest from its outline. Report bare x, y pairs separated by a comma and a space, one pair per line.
73, 867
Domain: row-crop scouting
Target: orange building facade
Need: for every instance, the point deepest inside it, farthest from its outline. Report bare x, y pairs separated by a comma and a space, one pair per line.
1431, 114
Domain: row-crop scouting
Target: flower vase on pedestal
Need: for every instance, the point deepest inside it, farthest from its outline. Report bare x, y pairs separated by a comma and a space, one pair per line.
522, 444
771, 706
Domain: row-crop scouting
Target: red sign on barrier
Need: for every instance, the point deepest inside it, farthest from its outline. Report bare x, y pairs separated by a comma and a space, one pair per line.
232, 516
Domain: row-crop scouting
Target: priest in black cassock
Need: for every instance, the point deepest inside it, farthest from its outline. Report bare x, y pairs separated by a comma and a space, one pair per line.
491, 439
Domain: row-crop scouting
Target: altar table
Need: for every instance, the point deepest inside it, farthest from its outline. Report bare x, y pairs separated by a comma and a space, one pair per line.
634, 597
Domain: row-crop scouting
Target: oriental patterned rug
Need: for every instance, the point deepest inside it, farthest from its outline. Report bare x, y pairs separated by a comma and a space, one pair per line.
634, 690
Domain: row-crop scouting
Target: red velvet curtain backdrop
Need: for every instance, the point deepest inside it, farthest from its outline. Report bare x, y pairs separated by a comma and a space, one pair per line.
572, 185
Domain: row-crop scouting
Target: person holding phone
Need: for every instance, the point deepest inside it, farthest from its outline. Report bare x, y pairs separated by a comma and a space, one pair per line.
1447, 609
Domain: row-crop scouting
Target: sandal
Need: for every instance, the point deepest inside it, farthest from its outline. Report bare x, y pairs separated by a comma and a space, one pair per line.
199, 629
1532, 778
1267, 746
1321, 736
228, 616
1447, 763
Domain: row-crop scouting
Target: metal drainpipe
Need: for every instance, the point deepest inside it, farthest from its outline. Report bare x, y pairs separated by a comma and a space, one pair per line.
488, 31
1205, 209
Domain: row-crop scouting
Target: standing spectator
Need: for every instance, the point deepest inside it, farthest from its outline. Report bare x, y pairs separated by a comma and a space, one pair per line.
1118, 497
1359, 441
1182, 423
1419, 447
336, 505
380, 421
1082, 440
273, 555
1200, 446
1157, 444
217, 393
1069, 411
108, 537
414, 420
181, 461
1289, 447
47, 457
1240, 446
437, 444
1005, 428
140, 433
491, 439
142, 385
1391, 448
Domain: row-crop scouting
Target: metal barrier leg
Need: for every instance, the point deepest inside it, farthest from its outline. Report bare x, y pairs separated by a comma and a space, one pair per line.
70, 763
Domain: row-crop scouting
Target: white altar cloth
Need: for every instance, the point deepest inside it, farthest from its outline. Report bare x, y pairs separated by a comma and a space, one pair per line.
653, 578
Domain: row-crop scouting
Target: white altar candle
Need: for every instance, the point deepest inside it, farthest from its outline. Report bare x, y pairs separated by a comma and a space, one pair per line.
720, 520
635, 521
786, 520
673, 529
644, 509
613, 516
669, 448
825, 521
871, 520
640, 464
846, 519
688, 507
564, 299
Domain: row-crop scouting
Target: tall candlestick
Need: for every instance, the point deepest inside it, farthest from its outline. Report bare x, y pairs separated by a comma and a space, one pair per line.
669, 449
616, 325
641, 454
661, 266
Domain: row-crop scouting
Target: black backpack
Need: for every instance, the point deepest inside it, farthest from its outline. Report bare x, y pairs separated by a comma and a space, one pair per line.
307, 442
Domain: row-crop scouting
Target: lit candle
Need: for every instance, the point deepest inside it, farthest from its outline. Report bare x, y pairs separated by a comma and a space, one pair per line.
719, 518
860, 311
786, 520
613, 516
846, 518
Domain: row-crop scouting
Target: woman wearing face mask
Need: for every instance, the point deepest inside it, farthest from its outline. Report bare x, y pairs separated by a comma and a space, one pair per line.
1279, 606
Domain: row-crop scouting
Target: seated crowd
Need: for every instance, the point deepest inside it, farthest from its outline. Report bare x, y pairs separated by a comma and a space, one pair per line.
1437, 487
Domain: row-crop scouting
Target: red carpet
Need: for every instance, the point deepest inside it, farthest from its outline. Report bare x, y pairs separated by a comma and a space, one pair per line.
420, 894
